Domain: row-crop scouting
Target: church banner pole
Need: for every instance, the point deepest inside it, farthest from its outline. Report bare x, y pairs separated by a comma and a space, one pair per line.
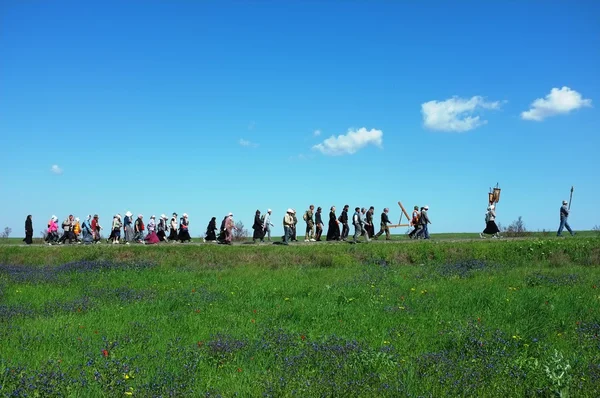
571, 198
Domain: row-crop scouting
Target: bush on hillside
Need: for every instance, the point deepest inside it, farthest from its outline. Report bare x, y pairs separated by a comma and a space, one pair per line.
516, 229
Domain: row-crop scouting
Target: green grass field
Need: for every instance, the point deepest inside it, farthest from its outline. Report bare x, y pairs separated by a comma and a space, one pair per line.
446, 318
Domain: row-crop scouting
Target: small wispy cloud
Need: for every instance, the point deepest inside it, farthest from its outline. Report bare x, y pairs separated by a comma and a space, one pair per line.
456, 114
317, 133
559, 101
56, 169
350, 143
247, 143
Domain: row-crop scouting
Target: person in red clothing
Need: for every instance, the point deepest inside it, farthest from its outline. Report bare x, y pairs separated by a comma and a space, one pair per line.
138, 229
96, 228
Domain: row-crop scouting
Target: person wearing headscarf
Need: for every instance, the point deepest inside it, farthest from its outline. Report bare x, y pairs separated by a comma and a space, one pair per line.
138, 228
333, 231
424, 221
28, 230
116, 229
52, 235
210, 230
67, 227
86, 231
319, 224
229, 228
173, 225
184, 232
162, 228
288, 224
76, 230
128, 228
490, 223
151, 238
294, 232
96, 228
257, 227
345, 227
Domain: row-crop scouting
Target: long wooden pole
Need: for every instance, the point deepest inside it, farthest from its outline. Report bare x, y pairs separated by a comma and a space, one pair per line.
571, 197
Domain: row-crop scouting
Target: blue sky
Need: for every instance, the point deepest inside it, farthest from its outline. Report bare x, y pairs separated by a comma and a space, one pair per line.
211, 107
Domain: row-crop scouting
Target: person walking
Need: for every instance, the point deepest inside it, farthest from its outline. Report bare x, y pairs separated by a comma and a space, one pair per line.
96, 228
28, 230
414, 222
128, 228
86, 231
210, 235
564, 220
151, 238
344, 220
294, 234
138, 229
173, 225
257, 226
319, 225
184, 231
288, 225
310, 224
490, 223
116, 229
77, 230
369, 224
67, 227
333, 229
229, 228
359, 223
385, 220
424, 222
52, 232
267, 224
162, 228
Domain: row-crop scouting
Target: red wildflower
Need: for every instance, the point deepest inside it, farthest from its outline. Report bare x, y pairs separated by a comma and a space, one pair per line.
252, 320
197, 311
193, 290
303, 337
239, 370
479, 320
95, 332
105, 353
200, 343
254, 311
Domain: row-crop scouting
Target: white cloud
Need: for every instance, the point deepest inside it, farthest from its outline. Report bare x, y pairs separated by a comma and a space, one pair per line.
317, 133
455, 114
247, 143
350, 143
559, 101
56, 169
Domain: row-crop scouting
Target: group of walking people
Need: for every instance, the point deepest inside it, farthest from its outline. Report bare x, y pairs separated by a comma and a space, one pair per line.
135, 230
170, 229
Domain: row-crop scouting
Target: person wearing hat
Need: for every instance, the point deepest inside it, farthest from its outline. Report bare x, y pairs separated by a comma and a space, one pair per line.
385, 220
162, 228
319, 225
310, 224
345, 227
294, 231
288, 224
173, 225
52, 231
116, 229
86, 231
267, 224
424, 221
210, 230
184, 232
564, 216
128, 228
138, 229
151, 238
490, 223
414, 222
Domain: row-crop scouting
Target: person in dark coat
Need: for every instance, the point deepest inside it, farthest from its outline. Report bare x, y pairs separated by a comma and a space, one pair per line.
184, 232
28, 230
344, 220
221, 237
333, 233
257, 227
210, 230
319, 224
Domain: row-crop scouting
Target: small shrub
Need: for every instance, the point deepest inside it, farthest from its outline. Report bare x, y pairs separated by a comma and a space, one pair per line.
6, 233
239, 232
516, 229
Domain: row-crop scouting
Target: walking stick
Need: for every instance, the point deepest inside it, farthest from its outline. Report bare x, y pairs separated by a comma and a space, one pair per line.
571, 197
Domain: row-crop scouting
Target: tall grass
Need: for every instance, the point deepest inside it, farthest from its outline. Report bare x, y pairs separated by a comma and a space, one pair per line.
478, 318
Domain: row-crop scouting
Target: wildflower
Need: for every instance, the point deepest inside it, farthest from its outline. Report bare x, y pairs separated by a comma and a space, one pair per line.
239, 370
252, 320
254, 311
287, 299
302, 337
200, 344
105, 353
412, 289
197, 311
193, 290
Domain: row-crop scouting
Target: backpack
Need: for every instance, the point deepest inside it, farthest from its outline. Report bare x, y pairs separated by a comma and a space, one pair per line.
262, 219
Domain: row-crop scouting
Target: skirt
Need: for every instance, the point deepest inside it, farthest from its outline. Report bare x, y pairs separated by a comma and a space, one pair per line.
151, 238
210, 235
161, 236
491, 228
173, 234
184, 235
128, 234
